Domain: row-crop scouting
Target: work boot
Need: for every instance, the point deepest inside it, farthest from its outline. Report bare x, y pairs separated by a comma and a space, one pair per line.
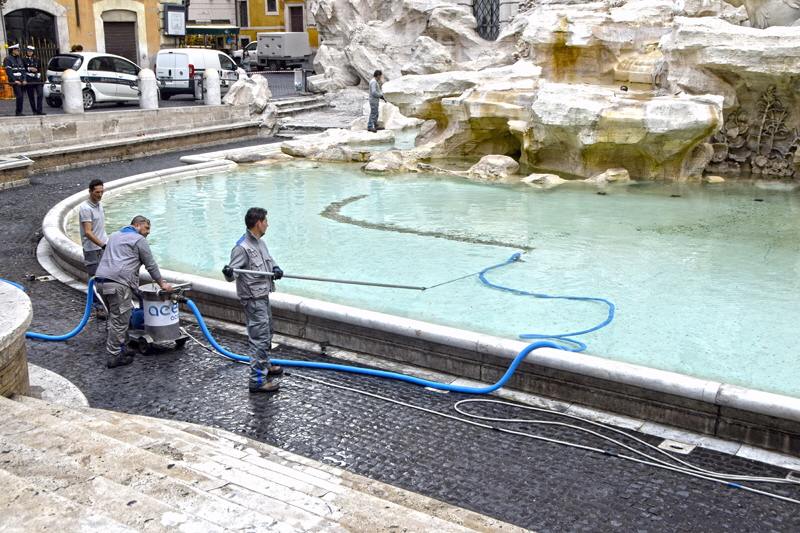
275, 370
124, 358
270, 386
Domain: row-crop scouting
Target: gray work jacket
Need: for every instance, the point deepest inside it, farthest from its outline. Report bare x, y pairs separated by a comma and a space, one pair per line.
251, 253
126, 251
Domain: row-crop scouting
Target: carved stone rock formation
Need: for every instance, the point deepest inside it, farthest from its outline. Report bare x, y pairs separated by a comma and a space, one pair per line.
547, 91
766, 13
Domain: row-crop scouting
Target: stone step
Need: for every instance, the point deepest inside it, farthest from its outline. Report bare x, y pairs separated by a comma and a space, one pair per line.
138, 488
220, 471
293, 106
22, 505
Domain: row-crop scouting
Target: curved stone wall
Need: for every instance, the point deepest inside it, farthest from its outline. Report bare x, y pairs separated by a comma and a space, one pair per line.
16, 313
726, 411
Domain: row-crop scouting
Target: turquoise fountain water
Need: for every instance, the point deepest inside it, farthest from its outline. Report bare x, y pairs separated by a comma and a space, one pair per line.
704, 277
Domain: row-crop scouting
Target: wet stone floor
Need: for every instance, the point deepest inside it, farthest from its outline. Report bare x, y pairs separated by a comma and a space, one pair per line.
538, 485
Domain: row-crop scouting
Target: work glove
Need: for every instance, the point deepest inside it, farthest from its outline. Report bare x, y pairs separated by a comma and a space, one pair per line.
384, 99
278, 272
227, 271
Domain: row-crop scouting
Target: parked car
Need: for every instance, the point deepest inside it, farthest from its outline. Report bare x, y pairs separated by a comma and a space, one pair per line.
176, 67
105, 77
251, 49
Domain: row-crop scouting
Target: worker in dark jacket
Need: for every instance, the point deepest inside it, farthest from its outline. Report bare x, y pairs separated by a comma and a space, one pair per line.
15, 70
33, 77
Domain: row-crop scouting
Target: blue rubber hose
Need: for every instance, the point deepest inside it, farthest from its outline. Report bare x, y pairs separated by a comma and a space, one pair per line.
563, 336
86, 314
379, 373
20, 287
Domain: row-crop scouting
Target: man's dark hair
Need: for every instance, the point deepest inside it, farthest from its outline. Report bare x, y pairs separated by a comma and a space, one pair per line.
377, 73
139, 219
94, 183
253, 216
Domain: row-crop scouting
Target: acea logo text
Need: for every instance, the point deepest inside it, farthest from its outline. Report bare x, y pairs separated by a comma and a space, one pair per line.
166, 310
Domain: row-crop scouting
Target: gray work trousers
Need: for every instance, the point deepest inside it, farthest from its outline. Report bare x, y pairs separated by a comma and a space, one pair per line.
91, 259
118, 301
258, 315
373, 115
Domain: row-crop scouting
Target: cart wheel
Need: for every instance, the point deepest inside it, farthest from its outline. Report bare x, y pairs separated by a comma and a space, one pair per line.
144, 346
179, 343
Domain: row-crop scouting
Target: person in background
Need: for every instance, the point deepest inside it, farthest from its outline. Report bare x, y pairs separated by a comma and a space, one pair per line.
375, 96
33, 75
15, 69
250, 253
118, 278
92, 221
246, 61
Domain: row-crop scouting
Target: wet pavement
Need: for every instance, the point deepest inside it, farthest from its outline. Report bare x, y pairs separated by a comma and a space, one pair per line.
349, 421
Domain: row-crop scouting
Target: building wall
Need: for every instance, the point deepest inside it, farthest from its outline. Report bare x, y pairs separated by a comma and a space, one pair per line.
81, 22
262, 19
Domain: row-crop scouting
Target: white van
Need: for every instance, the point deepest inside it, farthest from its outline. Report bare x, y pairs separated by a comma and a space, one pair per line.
175, 69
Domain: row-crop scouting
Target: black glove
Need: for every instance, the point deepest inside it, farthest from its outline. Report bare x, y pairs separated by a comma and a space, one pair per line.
384, 99
227, 271
278, 272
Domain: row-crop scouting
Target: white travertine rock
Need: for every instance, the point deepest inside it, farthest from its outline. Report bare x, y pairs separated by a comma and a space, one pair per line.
389, 117
713, 179
558, 105
582, 129
254, 92
612, 175
543, 180
704, 55
768, 13
249, 91
493, 168
315, 145
429, 57
361, 36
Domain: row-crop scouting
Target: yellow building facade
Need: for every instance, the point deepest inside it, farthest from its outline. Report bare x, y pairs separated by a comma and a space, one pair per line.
130, 28
278, 15
135, 28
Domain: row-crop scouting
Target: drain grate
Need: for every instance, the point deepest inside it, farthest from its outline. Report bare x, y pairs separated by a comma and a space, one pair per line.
677, 447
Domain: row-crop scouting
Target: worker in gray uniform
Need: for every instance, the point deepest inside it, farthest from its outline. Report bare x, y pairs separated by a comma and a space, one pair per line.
117, 277
250, 253
375, 97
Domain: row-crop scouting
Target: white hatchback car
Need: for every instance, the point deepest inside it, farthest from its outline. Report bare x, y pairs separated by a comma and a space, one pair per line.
105, 77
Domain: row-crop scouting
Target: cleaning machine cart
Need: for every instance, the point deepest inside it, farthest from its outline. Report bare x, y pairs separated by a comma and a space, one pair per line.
161, 317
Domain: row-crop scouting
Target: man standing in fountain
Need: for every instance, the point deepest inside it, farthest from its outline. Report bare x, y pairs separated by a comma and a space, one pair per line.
93, 233
118, 278
250, 253
375, 97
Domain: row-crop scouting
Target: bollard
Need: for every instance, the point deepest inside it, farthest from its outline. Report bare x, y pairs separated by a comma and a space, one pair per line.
198, 85
299, 80
148, 89
212, 95
72, 89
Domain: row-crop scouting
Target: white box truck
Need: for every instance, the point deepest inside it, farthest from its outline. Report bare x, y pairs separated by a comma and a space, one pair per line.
279, 50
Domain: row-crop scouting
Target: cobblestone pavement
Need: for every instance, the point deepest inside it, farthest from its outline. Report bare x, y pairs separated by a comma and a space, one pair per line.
537, 485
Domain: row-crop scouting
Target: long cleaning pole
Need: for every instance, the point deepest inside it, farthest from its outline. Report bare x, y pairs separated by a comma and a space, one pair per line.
330, 280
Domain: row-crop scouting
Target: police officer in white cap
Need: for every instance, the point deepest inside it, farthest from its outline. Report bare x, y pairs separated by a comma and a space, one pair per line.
33, 69
15, 70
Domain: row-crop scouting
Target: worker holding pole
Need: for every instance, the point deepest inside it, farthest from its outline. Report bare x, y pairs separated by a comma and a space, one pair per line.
250, 253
